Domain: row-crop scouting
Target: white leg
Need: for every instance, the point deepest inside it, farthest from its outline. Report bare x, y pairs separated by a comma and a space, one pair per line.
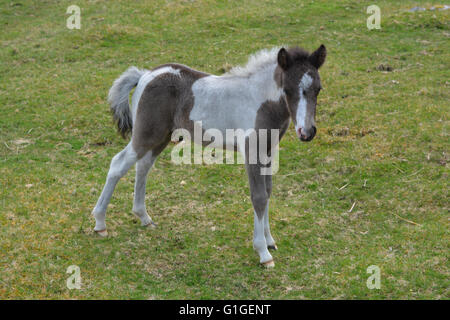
120, 165
143, 166
269, 240
259, 242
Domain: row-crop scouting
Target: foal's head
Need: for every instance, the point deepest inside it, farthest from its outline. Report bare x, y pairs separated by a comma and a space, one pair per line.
299, 78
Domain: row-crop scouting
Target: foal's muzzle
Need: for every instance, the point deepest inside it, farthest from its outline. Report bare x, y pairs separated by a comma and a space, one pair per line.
306, 135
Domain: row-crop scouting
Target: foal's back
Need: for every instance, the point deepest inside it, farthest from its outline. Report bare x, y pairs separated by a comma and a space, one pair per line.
175, 96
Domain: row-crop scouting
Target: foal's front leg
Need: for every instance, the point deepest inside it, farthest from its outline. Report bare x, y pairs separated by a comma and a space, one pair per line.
260, 200
269, 239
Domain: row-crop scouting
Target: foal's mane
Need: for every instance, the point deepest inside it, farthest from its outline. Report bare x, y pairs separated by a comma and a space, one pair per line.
263, 58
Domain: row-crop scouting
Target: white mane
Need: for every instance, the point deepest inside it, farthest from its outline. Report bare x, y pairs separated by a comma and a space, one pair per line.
255, 62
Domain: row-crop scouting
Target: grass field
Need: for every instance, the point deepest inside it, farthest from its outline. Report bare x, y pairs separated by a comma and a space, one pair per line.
382, 145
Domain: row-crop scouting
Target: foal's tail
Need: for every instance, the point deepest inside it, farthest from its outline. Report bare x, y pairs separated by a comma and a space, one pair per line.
118, 99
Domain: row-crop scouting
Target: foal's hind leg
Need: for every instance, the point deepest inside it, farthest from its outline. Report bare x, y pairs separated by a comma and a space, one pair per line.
143, 166
120, 165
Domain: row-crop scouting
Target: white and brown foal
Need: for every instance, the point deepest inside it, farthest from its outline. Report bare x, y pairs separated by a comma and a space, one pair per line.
275, 86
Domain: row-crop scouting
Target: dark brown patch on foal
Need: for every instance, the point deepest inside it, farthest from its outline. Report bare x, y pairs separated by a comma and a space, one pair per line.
272, 115
164, 107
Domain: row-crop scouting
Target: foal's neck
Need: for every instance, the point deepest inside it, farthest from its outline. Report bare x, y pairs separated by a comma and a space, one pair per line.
276, 113
263, 81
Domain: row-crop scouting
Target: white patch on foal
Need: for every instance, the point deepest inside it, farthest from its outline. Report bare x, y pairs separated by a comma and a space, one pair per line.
304, 84
259, 242
232, 101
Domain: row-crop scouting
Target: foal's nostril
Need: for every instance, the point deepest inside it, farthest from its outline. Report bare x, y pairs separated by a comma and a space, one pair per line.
307, 135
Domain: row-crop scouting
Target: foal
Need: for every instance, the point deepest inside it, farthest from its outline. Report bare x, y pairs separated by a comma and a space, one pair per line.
275, 86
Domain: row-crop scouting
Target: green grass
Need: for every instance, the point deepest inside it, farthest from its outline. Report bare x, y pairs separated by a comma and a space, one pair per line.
382, 135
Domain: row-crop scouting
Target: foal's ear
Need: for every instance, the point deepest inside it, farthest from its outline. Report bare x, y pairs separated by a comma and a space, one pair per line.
317, 58
284, 59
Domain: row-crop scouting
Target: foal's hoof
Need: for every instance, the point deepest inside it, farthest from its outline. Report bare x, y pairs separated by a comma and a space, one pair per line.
151, 225
102, 233
272, 247
268, 264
